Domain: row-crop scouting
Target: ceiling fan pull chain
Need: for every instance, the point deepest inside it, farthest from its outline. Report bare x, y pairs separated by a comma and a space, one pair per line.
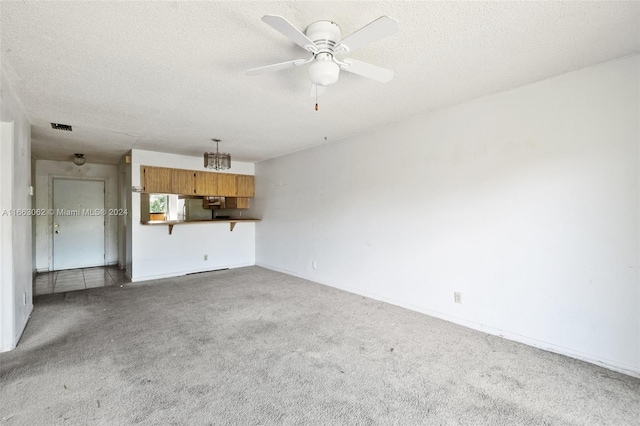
316, 97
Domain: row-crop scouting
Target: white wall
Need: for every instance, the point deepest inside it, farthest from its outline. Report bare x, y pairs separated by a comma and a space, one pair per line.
525, 201
15, 245
156, 254
46, 170
161, 159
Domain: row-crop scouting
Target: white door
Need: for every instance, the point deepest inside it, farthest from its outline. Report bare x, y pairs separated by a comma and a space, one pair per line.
78, 223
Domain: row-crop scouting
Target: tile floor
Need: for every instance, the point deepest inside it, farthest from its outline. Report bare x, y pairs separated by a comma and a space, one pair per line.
77, 279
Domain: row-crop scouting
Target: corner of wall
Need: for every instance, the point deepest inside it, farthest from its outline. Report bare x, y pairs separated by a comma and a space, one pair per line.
17, 257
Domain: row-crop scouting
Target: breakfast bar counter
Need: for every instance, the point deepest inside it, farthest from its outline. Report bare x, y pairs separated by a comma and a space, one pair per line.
172, 223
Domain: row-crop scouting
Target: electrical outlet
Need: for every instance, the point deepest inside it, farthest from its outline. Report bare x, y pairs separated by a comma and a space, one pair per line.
206, 257
314, 264
457, 297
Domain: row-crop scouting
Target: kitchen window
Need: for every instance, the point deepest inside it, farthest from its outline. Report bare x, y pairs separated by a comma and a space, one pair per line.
158, 206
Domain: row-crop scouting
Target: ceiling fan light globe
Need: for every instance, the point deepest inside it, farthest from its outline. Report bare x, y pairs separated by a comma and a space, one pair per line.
324, 73
79, 159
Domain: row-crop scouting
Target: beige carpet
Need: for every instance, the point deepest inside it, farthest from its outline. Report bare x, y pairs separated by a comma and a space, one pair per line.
251, 346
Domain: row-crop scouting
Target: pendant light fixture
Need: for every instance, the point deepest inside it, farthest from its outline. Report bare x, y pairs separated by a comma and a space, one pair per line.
217, 160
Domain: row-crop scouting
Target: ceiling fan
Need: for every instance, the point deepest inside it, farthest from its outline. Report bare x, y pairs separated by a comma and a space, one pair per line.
323, 40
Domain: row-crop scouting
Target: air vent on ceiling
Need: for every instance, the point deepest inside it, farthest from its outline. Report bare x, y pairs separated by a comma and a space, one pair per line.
58, 126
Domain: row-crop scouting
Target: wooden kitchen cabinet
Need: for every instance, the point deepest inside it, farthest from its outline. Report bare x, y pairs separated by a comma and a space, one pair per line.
164, 180
183, 182
227, 185
155, 179
206, 183
236, 203
245, 184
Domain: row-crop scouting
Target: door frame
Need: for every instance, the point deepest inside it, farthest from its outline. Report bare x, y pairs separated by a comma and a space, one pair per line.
107, 218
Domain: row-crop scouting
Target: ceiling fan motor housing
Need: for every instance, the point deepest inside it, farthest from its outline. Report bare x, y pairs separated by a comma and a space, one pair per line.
325, 34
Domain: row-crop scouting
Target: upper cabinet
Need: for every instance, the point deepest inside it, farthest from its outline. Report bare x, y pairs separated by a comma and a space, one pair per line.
245, 186
165, 180
206, 183
155, 179
227, 186
183, 182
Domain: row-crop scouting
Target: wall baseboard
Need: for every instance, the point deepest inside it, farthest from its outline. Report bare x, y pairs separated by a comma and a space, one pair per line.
18, 335
45, 270
571, 353
182, 273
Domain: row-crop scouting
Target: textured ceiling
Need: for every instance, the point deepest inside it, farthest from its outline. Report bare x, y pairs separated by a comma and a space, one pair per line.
169, 76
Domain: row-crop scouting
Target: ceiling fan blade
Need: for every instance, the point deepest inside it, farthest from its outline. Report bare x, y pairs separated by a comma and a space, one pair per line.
285, 27
364, 69
319, 92
382, 27
276, 67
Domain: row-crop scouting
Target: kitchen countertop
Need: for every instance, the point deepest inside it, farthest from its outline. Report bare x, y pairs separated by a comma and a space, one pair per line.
170, 223
179, 222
